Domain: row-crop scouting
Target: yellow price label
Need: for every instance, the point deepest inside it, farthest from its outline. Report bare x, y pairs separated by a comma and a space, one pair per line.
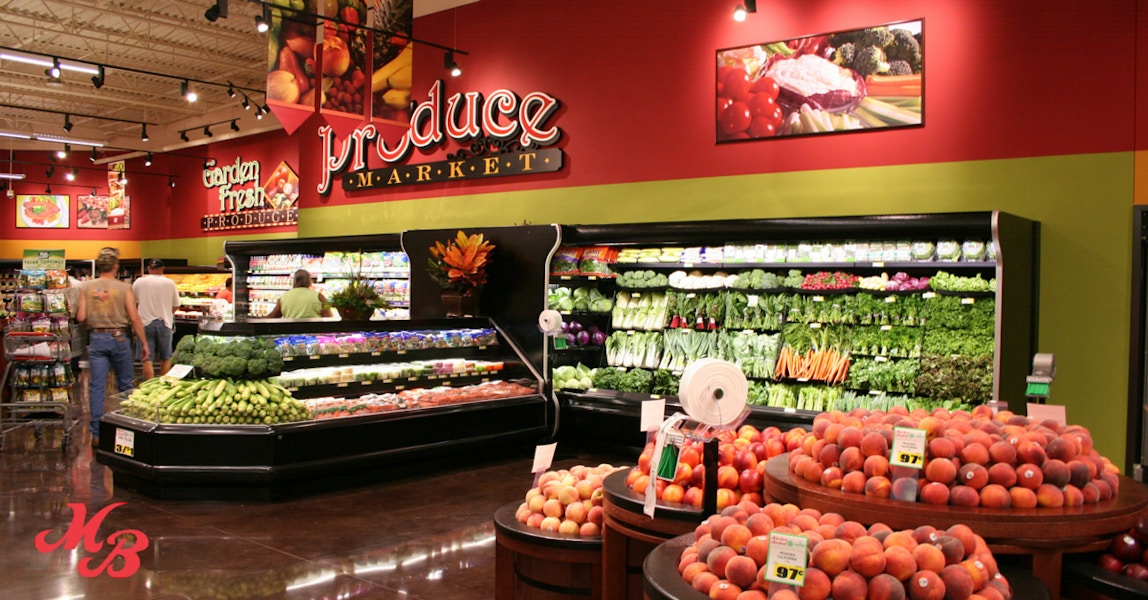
790, 573
910, 459
125, 450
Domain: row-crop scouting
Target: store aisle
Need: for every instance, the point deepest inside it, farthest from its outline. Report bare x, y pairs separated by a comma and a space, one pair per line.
416, 537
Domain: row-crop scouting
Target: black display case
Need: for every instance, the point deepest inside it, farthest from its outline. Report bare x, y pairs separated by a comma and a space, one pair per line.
607, 418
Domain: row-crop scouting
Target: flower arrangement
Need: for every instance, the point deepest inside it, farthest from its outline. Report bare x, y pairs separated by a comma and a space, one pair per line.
460, 264
358, 299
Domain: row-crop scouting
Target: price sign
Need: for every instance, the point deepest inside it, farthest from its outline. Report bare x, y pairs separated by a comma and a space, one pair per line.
125, 442
653, 413
815, 325
819, 298
880, 359
890, 299
968, 300
313, 357
344, 355
178, 372
787, 559
752, 299
908, 448
543, 456
878, 264
928, 295
886, 328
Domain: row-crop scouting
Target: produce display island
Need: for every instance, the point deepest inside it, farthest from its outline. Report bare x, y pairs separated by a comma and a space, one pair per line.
1045, 534
179, 460
530, 562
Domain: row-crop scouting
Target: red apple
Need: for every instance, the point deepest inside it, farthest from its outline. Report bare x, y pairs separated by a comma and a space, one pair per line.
1136, 571
1110, 563
750, 480
1127, 548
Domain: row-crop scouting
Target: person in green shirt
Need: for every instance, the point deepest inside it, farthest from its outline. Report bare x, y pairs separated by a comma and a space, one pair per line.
301, 302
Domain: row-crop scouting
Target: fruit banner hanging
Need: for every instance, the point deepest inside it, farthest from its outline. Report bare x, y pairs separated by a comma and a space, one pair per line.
333, 65
119, 203
857, 80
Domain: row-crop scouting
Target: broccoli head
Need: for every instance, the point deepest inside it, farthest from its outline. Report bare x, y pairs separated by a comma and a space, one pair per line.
844, 54
232, 366
256, 367
870, 60
875, 36
904, 47
186, 344
899, 67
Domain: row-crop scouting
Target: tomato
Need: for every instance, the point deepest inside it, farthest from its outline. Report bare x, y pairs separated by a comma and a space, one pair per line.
762, 127
777, 115
766, 85
723, 103
761, 105
734, 118
735, 84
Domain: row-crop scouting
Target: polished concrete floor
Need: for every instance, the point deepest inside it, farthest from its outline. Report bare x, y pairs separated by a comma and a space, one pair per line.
417, 537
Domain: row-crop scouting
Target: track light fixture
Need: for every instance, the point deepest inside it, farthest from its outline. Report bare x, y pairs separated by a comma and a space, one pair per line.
93, 191
143, 132
170, 181
183, 136
48, 189
71, 175
263, 21
749, 6
68, 123
64, 152
246, 102
188, 93
207, 130
53, 72
219, 9
50, 172
147, 161
93, 155
449, 64
234, 125
98, 78
230, 90
259, 114
123, 177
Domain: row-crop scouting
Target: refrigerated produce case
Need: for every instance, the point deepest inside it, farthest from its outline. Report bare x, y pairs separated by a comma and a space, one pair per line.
804, 312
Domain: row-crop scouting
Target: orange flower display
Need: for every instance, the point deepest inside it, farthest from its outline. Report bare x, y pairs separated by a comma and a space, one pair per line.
460, 263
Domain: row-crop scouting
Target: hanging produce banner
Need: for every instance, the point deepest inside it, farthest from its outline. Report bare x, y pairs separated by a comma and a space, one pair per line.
328, 63
503, 134
119, 204
244, 203
42, 211
862, 79
391, 54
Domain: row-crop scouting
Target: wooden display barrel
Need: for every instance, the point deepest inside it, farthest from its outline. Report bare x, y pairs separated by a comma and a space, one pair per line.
531, 564
628, 535
1044, 534
662, 581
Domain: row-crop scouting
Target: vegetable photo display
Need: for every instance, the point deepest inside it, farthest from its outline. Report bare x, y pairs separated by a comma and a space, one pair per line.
870, 78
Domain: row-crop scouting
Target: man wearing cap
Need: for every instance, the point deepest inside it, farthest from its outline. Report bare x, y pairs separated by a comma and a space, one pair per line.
108, 307
158, 300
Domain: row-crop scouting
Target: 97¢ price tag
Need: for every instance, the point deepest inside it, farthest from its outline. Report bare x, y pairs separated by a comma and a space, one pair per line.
908, 448
787, 559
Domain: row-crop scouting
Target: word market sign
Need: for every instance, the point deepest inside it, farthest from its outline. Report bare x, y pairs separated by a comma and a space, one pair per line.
243, 202
514, 132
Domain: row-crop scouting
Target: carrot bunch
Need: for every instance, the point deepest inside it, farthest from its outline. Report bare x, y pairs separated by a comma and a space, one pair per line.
893, 85
827, 364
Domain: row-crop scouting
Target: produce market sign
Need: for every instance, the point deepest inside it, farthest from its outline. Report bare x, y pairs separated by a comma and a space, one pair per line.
243, 202
505, 135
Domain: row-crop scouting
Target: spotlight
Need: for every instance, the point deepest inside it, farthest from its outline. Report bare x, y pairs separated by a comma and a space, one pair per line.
186, 92
53, 72
207, 130
93, 191
48, 189
449, 64
143, 132
147, 161
123, 177
246, 102
259, 114
219, 9
230, 90
63, 153
98, 78
263, 21
266, 109
93, 156
51, 171
183, 136
68, 123
170, 181
749, 6
234, 125
71, 175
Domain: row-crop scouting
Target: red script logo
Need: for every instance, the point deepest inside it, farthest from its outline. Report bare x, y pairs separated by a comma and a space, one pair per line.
87, 532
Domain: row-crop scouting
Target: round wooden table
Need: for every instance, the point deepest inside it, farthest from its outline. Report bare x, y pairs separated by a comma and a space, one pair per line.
663, 582
531, 563
628, 535
1045, 534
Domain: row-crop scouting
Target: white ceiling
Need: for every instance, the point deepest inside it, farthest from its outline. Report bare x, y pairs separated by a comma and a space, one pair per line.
171, 38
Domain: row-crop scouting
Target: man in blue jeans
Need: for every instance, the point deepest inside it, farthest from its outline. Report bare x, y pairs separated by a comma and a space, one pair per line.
108, 307
157, 300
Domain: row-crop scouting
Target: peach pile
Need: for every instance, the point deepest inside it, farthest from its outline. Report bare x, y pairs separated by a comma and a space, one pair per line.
566, 501
846, 560
973, 459
741, 467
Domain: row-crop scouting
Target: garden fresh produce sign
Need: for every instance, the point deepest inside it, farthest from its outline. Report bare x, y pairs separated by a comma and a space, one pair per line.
504, 135
243, 203
868, 78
